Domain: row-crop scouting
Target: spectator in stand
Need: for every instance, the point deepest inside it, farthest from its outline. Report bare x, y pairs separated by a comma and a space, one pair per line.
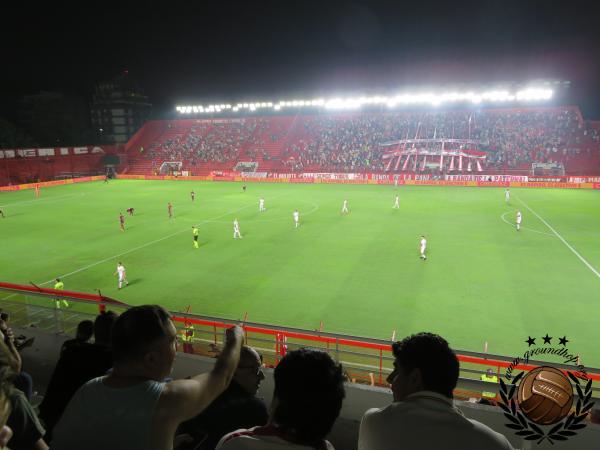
308, 395
237, 407
133, 407
423, 415
21, 430
79, 363
6, 376
22, 380
85, 331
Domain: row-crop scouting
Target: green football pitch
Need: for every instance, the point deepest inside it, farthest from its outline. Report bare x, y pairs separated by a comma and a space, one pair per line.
360, 274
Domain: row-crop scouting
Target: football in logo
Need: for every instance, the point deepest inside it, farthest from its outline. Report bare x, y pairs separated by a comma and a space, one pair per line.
545, 395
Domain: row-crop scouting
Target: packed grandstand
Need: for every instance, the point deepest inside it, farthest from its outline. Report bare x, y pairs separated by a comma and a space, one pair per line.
512, 140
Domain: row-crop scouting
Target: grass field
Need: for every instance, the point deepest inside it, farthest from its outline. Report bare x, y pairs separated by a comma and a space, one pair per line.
360, 274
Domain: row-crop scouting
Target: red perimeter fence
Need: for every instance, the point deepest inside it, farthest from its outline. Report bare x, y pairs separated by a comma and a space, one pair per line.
365, 360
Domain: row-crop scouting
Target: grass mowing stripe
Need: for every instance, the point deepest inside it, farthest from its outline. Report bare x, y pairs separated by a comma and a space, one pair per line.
562, 239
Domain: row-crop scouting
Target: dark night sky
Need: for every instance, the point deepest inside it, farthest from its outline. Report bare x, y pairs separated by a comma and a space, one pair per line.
264, 50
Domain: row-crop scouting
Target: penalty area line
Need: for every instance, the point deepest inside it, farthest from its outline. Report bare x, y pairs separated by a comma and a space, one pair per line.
569, 246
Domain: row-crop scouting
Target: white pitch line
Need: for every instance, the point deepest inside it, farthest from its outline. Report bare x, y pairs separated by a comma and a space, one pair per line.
525, 228
45, 200
143, 245
562, 239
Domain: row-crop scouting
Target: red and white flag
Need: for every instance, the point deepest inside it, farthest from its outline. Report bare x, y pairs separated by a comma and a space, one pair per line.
406, 162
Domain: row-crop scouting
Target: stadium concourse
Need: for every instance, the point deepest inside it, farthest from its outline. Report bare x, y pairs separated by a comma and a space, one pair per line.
351, 142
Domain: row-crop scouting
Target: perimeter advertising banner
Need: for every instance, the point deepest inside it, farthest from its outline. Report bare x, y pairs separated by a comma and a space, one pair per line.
489, 178
20, 187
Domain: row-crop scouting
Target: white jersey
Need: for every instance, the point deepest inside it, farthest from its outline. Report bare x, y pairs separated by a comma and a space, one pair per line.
519, 218
423, 243
121, 271
261, 202
345, 206
296, 216
236, 225
507, 195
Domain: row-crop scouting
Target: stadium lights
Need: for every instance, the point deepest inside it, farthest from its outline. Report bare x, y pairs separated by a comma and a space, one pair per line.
402, 99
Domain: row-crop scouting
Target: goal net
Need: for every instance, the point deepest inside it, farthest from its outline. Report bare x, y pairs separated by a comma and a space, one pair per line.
170, 167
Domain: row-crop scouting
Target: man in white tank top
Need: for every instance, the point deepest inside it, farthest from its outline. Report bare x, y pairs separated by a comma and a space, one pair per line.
133, 407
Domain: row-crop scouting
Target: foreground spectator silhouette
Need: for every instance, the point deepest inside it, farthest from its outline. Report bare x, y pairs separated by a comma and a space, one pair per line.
20, 428
423, 415
22, 380
85, 331
133, 407
308, 395
6, 376
237, 407
79, 362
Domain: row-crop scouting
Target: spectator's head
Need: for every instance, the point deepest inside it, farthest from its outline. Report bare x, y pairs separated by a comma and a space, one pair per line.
6, 379
103, 326
595, 415
85, 330
249, 372
309, 389
144, 342
423, 362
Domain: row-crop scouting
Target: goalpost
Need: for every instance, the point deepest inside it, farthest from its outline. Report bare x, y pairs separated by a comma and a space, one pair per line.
169, 167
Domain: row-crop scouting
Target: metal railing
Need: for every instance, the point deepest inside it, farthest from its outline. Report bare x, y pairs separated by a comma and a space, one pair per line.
365, 360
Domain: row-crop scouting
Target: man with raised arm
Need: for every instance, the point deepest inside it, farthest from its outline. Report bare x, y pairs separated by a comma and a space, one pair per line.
134, 407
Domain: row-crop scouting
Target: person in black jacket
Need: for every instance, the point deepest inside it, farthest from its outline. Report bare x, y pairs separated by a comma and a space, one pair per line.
237, 407
78, 363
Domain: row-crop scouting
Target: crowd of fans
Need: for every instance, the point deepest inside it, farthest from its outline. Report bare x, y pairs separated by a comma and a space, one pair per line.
116, 392
219, 142
511, 138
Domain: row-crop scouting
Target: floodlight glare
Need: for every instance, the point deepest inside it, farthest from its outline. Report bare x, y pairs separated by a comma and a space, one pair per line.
499, 95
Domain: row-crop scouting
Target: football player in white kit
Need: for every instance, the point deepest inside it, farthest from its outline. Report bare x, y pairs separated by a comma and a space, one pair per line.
345, 207
507, 195
236, 229
297, 218
519, 219
261, 205
122, 275
423, 247
397, 202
